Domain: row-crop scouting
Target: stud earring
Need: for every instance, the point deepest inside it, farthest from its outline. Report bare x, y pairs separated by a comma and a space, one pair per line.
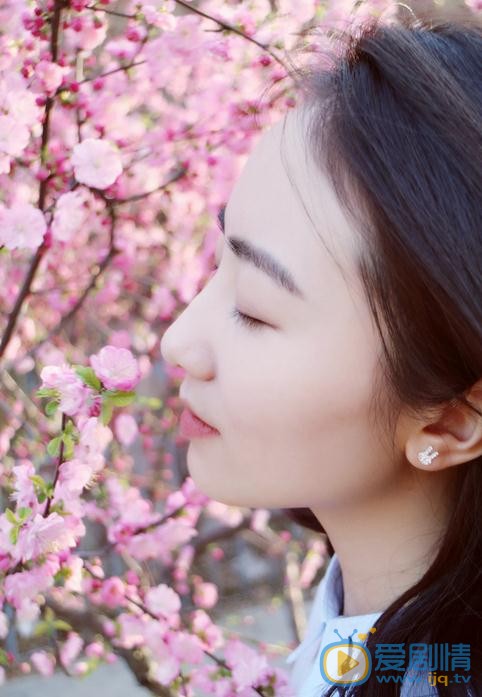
426, 456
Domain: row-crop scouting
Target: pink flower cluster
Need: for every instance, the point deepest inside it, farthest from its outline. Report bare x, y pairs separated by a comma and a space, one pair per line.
119, 141
40, 535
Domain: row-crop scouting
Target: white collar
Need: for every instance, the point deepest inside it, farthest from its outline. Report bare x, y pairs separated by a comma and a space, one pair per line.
325, 616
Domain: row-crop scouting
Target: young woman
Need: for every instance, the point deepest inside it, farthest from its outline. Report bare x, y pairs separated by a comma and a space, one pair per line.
337, 353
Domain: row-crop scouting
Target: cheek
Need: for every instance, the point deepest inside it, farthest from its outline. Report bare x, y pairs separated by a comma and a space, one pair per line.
296, 426
272, 385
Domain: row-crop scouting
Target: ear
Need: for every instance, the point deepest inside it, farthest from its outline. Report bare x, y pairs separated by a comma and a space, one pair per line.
455, 434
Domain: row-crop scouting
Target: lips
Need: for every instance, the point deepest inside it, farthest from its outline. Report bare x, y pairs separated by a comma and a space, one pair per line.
191, 426
195, 415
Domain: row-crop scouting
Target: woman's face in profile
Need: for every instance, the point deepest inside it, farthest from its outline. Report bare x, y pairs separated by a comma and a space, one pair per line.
289, 396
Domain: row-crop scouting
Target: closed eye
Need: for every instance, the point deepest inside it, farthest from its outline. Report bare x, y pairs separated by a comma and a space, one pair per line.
246, 320
241, 317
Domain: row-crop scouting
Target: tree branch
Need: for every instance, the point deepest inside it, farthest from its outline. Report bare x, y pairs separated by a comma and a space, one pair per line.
229, 27
24, 291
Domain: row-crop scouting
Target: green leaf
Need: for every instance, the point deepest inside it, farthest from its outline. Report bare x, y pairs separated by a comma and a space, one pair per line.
119, 398
51, 408
60, 511
62, 575
92, 664
11, 517
38, 481
14, 535
151, 402
64, 626
47, 392
41, 628
53, 447
106, 412
88, 375
24, 512
68, 445
69, 428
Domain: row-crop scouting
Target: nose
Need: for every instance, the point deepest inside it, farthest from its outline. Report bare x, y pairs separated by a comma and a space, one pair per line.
168, 346
182, 346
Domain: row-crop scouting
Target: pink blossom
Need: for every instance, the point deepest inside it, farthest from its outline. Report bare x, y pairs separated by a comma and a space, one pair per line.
212, 635
142, 546
121, 338
71, 648
74, 581
5, 162
80, 668
14, 136
22, 225
126, 429
25, 585
50, 75
116, 368
132, 630
186, 647
313, 561
44, 662
94, 438
90, 35
17, 100
230, 515
166, 667
162, 600
259, 520
28, 615
205, 594
73, 391
42, 535
6, 545
248, 666
70, 215
73, 477
94, 650
112, 592
160, 15
96, 163
23, 488
175, 532
192, 494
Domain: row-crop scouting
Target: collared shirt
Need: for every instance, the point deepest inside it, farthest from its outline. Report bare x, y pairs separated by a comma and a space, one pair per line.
325, 617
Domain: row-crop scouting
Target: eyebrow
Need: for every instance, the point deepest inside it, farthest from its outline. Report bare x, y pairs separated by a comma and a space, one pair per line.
260, 259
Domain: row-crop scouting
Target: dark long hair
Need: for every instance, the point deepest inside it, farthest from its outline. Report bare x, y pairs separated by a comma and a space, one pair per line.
396, 124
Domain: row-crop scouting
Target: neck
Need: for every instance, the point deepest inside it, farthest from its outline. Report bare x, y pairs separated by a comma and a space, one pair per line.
386, 544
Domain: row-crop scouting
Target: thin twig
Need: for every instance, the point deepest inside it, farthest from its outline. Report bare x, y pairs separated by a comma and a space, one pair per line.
59, 463
109, 12
235, 30
39, 254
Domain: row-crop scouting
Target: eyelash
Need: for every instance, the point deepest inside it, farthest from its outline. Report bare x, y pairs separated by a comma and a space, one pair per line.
240, 317
246, 320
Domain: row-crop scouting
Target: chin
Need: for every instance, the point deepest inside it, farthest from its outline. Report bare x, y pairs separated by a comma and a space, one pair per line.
212, 489
216, 485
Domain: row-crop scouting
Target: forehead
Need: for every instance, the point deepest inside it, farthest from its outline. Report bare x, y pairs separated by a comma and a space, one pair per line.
267, 207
